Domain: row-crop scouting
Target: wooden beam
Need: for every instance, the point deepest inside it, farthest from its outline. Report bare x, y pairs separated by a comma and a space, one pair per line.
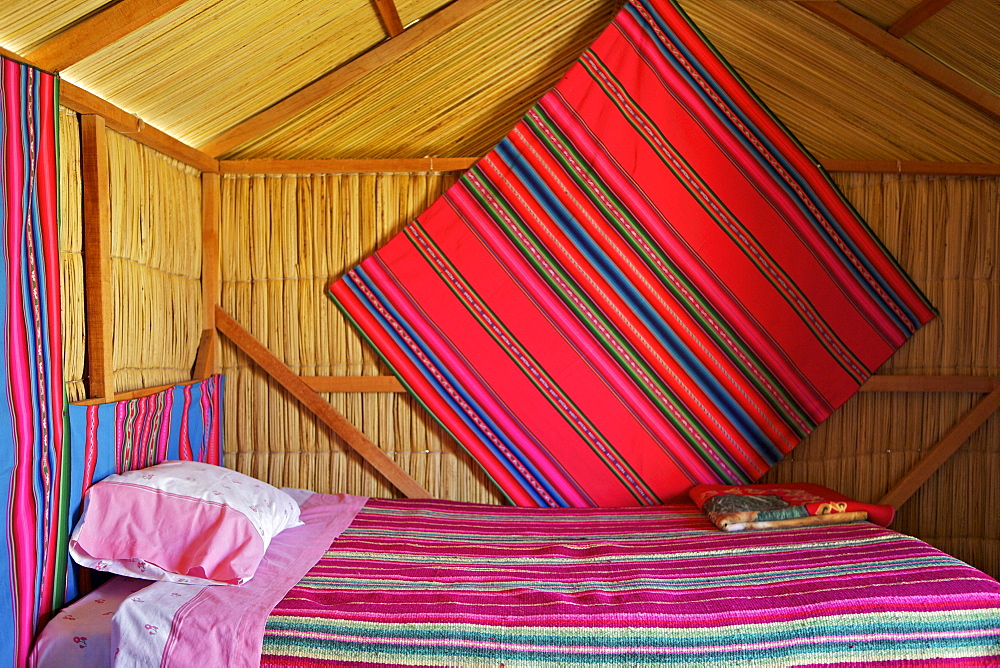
131, 394
912, 167
393, 48
907, 55
97, 257
98, 31
210, 277
381, 165
204, 359
85, 102
917, 15
353, 383
315, 403
345, 166
942, 450
977, 384
390, 16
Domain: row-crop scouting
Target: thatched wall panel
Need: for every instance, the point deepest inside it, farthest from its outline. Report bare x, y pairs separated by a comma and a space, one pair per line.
71, 254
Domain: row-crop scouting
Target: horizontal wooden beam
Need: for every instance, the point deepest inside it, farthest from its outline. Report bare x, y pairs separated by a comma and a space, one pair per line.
98, 31
393, 48
942, 450
907, 55
975, 384
345, 166
912, 167
354, 383
377, 165
917, 15
295, 386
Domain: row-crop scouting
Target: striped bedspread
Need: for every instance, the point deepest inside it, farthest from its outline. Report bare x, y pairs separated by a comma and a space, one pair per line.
436, 583
648, 284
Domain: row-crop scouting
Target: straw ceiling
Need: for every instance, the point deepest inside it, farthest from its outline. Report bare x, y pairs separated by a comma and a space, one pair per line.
320, 79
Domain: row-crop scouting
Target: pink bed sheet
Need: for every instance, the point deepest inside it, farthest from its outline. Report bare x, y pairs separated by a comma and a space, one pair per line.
175, 624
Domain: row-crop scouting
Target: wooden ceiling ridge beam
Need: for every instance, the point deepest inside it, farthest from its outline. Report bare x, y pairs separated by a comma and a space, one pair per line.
99, 30
917, 15
333, 81
907, 55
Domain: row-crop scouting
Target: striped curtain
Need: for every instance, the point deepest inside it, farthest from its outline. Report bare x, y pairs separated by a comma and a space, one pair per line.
647, 285
32, 462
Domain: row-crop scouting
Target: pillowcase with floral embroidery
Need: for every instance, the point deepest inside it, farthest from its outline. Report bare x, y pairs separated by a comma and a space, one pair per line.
181, 521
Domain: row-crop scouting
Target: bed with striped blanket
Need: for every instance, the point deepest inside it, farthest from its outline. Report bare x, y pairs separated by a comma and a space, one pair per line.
437, 583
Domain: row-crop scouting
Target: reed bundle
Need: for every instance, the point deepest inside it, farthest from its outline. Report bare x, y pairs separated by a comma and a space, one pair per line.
155, 206
842, 99
508, 54
71, 255
207, 65
28, 24
946, 234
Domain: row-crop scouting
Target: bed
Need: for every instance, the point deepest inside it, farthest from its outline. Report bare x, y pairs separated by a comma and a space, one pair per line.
373, 582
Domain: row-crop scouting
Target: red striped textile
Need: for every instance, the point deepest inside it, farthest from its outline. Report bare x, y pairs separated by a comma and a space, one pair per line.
32, 462
436, 583
647, 285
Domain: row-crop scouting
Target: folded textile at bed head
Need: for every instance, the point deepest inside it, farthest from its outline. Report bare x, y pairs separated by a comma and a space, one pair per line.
783, 506
647, 285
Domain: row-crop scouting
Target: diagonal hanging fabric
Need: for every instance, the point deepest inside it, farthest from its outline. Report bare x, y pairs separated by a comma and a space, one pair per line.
646, 285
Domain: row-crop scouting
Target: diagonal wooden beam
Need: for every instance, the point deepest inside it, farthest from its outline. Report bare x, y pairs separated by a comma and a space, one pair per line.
98, 31
315, 403
907, 55
911, 19
390, 16
330, 83
943, 449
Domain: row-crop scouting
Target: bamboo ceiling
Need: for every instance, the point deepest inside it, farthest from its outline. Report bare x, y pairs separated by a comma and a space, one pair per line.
414, 78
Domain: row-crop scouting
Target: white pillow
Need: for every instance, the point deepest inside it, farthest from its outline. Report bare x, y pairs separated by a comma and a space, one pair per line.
181, 521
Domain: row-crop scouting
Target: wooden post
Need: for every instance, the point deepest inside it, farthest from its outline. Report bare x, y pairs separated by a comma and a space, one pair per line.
97, 258
204, 365
319, 406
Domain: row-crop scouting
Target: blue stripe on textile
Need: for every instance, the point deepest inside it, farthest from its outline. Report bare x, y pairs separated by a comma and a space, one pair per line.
500, 435
780, 158
639, 304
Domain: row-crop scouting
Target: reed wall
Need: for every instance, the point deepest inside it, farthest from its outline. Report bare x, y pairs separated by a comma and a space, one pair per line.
155, 264
71, 255
155, 209
283, 238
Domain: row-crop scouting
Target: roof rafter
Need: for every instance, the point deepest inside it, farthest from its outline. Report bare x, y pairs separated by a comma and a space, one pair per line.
390, 16
98, 31
333, 81
907, 55
916, 16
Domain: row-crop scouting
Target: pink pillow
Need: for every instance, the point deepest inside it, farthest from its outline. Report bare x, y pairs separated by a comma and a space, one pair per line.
182, 522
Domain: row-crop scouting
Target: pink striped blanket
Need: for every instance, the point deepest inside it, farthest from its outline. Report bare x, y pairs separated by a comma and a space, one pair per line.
436, 583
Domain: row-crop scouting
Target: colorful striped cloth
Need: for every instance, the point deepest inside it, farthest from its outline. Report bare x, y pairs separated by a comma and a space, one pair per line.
32, 462
437, 583
648, 284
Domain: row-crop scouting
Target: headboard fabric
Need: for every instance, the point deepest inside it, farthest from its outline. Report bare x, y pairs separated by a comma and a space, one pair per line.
182, 422
646, 285
32, 465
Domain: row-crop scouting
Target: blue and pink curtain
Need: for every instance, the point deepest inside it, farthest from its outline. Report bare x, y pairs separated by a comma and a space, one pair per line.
648, 284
